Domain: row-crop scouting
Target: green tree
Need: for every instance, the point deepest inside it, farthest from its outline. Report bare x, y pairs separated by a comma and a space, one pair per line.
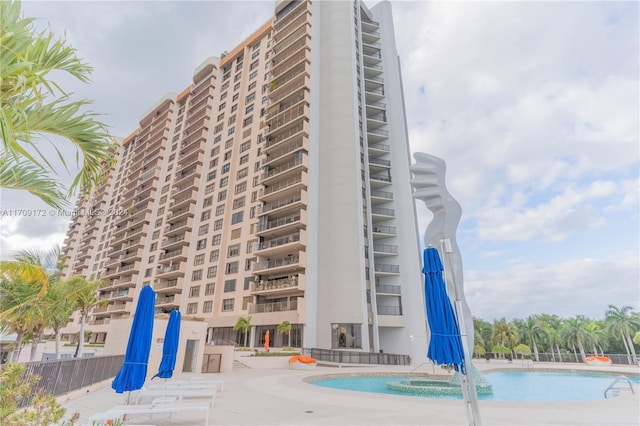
596, 336
574, 333
59, 297
504, 333
623, 322
84, 296
285, 328
531, 330
32, 104
17, 300
244, 325
522, 350
40, 313
636, 338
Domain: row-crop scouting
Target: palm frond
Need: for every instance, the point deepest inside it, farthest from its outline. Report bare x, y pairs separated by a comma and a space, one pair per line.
29, 177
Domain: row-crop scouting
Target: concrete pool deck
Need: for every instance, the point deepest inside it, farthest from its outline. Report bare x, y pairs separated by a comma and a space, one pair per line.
269, 393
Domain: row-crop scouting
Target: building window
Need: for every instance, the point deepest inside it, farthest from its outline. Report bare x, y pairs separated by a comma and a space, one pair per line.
199, 259
346, 336
194, 291
217, 225
207, 202
245, 146
212, 271
237, 217
244, 159
203, 229
247, 121
220, 210
248, 263
227, 305
209, 188
229, 286
207, 306
238, 203
205, 215
215, 241
209, 289
231, 268
201, 244
214, 255
226, 168
245, 302
224, 181
247, 283
233, 250
231, 131
240, 188
248, 109
222, 195
192, 308
196, 275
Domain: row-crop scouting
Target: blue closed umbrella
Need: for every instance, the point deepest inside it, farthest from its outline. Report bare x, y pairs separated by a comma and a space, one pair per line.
445, 346
170, 347
134, 370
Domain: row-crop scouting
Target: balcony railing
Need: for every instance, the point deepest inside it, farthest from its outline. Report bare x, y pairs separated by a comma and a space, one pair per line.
389, 289
279, 241
278, 222
382, 194
279, 203
385, 248
389, 310
276, 263
276, 284
281, 185
259, 308
389, 269
384, 229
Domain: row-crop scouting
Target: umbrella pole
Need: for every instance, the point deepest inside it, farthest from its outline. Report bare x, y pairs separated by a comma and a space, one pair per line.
468, 381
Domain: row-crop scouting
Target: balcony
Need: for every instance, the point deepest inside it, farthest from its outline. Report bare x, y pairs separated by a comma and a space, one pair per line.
283, 225
118, 308
286, 170
389, 310
296, 144
377, 195
380, 213
172, 286
286, 244
288, 119
260, 308
385, 250
293, 202
284, 188
175, 241
380, 231
122, 295
170, 271
279, 286
183, 213
282, 265
174, 255
178, 227
382, 269
388, 289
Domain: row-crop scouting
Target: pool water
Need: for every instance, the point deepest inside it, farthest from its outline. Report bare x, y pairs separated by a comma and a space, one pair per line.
507, 385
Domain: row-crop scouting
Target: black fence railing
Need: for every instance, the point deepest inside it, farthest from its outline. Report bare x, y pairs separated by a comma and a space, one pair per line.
354, 357
59, 377
621, 359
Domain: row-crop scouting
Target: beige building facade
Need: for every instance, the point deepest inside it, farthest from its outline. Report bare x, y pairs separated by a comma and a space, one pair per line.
276, 187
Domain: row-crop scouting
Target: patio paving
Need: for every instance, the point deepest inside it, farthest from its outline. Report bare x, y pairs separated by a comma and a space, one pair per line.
269, 393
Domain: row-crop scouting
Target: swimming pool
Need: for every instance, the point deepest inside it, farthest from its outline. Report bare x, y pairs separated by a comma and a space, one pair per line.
507, 385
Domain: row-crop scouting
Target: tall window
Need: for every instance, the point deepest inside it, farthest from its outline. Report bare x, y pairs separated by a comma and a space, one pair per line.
346, 336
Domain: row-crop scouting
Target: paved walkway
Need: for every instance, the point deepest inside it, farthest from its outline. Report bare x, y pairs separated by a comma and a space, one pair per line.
269, 393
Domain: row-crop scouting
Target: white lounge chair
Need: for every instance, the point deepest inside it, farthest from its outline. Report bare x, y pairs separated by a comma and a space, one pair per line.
194, 384
176, 393
151, 409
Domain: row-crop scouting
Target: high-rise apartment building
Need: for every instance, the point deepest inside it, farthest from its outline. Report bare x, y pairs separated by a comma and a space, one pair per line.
275, 186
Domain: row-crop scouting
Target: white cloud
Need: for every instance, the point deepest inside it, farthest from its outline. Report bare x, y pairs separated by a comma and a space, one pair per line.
578, 287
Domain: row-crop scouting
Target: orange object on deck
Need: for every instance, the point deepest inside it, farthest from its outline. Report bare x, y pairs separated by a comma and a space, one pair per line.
302, 359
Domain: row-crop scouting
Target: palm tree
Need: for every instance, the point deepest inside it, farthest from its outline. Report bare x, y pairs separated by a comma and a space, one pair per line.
83, 294
285, 328
504, 333
530, 329
32, 104
17, 299
244, 325
575, 333
62, 306
597, 336
623, 322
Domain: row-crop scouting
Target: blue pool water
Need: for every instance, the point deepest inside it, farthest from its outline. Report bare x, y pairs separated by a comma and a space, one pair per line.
507, 385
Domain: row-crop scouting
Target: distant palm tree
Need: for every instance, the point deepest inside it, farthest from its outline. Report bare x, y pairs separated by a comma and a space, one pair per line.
83, 294
574, 333
285, 328
530, 330
624, 323
17, 300
504, 333
59, 298
244, 325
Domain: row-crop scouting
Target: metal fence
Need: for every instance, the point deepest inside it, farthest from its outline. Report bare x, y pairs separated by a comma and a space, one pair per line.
621, 359
62, 376
354, 357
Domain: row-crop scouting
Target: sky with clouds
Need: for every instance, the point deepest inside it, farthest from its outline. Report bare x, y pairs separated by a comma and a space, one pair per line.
534, 106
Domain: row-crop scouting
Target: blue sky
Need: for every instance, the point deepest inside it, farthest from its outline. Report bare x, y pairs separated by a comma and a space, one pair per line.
534, 106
